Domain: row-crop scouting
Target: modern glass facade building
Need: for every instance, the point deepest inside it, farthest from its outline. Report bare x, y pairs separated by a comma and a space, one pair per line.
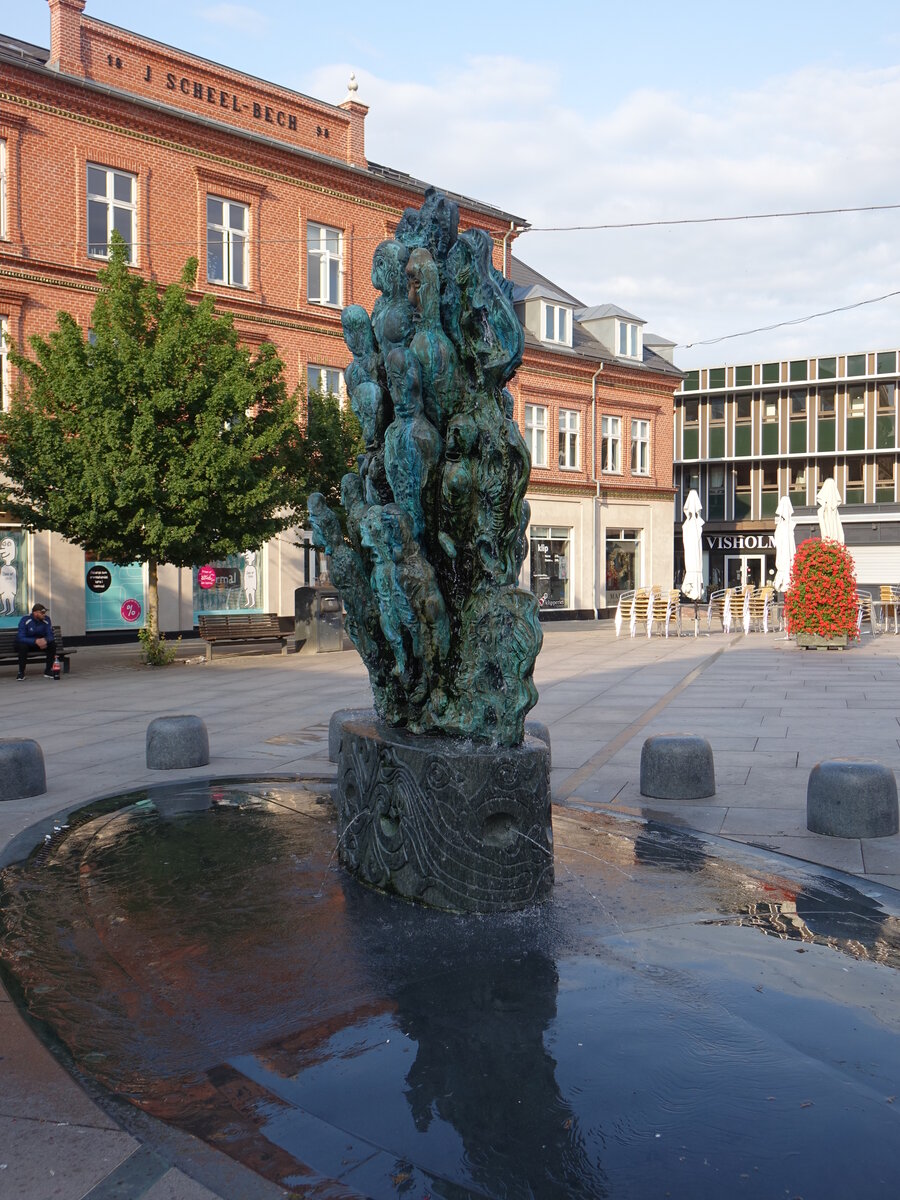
748, 434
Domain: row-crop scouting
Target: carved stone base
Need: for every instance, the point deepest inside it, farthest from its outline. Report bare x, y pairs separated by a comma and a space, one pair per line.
457, 825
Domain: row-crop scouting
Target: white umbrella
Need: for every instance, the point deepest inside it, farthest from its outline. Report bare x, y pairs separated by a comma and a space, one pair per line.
691, 535
828, 500
785, 545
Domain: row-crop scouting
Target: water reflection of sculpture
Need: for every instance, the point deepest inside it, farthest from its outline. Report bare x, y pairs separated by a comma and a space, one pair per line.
436, 514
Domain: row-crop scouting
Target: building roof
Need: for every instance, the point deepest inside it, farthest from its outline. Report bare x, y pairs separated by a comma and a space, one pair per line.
24, 54
600, 311
530, 284
526, 278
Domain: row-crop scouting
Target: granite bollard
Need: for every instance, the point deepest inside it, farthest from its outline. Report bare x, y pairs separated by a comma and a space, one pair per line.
177, 742
677, 766
852, 798
21, 769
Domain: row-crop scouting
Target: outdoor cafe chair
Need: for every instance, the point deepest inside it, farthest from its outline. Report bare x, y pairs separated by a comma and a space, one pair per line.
865, 611
721, 605
889, 604
761, 608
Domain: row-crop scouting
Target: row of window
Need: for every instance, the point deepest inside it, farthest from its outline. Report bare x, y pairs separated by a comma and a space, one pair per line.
797, 371
738, 492
536, 429
812, 425
111, 205
799, 402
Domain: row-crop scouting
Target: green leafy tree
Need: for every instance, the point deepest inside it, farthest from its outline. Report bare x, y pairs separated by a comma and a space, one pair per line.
156, 438
331, 441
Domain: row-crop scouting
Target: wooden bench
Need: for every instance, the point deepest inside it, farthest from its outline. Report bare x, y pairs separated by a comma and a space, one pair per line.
240, 627
9, 655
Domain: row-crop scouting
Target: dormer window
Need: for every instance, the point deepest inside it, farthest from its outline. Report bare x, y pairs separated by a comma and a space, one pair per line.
557, 324
630, 340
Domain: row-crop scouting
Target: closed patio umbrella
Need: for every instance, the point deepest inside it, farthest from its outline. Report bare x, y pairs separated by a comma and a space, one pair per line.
828, 500
691, 535
785, 545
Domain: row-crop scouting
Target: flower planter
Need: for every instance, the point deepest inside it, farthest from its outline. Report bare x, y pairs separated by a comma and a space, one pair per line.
816, 641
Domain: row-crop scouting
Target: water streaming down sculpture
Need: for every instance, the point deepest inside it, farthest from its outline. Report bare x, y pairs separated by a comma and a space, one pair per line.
436, 521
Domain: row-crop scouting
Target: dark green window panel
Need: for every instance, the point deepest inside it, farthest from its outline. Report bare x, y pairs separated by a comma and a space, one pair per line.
827, 368
798, 498
743, 376
741, 505
884, 495
717, 377
886, 364
798, 437
856, 364
856, 433
798, 370
770, 439
826, 434
885, 431
691, 443
716, 510
769, 504
691, 382
771, 373
717, 443
742, 445
855, 495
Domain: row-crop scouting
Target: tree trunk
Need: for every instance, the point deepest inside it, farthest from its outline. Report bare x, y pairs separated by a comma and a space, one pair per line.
153, 600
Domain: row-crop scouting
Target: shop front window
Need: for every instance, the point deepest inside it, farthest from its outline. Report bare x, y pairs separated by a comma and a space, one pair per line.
623, 559
114, 595
551, 559
13, 577
232, 584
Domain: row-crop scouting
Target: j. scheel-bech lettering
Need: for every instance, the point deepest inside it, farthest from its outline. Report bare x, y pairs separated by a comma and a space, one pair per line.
198, 90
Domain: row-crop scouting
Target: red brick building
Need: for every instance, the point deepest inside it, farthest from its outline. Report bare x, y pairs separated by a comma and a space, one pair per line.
273, 194
269, 189
594, 397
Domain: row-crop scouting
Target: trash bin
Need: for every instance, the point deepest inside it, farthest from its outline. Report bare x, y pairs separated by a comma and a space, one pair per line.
318, 619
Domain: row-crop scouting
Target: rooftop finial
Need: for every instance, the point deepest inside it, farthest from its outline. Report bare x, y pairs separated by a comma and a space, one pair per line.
352, 88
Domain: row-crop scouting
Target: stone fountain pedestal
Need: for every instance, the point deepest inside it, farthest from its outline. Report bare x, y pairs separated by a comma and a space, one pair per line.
458, 825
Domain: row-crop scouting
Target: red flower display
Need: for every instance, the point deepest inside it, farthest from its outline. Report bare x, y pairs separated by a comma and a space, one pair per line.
822, 598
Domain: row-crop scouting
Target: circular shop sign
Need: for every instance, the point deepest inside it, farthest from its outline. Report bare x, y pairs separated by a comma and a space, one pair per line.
206, 577
131, 610
98, 578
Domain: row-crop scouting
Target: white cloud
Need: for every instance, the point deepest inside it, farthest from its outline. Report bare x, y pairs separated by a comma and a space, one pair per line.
240, 17
501, 130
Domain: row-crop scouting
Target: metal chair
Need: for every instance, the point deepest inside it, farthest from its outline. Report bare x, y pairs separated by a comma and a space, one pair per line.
865, 611
761, 608
889, 603
721, 605
663, 610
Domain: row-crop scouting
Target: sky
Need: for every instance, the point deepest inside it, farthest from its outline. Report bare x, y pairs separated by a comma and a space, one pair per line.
568, 115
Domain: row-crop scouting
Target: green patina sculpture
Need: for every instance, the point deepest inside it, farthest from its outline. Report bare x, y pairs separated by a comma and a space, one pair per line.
436, 513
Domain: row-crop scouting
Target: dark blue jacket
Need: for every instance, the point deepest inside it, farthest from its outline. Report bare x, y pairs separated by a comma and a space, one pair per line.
30, 629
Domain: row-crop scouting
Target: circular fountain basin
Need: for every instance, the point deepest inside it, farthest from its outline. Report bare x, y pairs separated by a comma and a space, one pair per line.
683, 1018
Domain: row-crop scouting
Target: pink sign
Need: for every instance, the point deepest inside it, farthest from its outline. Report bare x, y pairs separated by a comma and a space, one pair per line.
206, 577
131, 610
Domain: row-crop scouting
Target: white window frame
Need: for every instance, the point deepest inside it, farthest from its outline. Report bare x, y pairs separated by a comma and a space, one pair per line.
629, 334
611, 445
4, 190
559, 320
4, 366
235, 243
319, 262
113, 204
569, 439
536, 433
640, 446
321, 384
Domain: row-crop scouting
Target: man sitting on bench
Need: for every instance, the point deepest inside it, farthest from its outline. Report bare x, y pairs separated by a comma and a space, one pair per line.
35, 636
